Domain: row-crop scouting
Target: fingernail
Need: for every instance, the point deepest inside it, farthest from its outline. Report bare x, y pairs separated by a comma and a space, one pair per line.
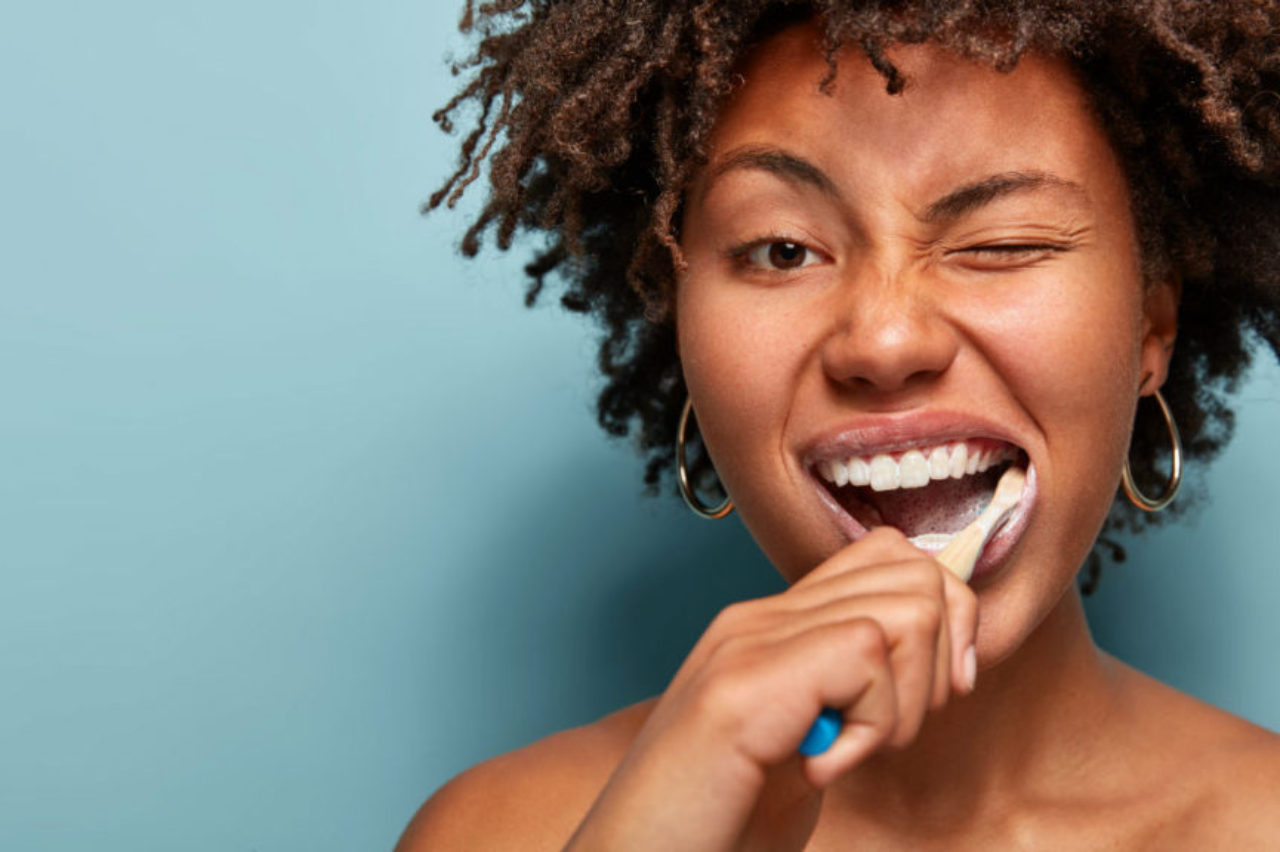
970, 667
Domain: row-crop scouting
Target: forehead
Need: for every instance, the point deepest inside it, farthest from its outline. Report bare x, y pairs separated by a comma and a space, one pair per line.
956, 118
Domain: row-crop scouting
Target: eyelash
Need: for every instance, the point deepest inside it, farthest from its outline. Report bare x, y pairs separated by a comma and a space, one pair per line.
1011, 249
741, 253
1007, 255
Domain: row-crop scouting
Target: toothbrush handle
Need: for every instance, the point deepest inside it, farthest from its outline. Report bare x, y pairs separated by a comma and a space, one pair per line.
823, 733
959, 558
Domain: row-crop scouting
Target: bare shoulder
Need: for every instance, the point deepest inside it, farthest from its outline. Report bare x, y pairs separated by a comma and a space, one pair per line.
1222, 771
1242, 801
529, 799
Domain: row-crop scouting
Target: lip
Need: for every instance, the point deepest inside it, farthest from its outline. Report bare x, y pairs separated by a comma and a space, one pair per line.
892, 434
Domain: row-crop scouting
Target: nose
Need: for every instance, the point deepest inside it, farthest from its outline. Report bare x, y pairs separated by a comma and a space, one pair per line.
888, 336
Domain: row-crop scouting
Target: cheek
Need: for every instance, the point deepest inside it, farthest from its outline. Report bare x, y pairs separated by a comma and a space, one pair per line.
741, 356
1072, 357
1070, 340
1081, 352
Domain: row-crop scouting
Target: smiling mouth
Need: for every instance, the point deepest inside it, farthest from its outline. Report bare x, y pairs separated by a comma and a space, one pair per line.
929, 493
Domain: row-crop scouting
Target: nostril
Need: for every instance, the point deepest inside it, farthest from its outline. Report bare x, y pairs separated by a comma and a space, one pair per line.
890, 356
885, 381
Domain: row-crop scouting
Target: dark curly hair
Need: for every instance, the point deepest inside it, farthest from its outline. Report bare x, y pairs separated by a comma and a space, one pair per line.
592, 115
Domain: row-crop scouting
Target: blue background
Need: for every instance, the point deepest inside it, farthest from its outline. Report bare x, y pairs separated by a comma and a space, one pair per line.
300, 514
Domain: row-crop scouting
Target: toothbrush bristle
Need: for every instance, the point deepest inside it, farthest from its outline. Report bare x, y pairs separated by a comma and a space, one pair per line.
962, 553
1009, 488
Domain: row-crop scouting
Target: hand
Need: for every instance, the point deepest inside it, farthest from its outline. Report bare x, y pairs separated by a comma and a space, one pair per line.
879, 630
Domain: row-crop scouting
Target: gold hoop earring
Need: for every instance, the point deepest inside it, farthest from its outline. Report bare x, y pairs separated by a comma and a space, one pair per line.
1131, 491
686, 489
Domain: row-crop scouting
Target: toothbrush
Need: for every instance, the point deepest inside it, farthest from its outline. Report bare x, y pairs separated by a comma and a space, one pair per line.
959, 556
962, 552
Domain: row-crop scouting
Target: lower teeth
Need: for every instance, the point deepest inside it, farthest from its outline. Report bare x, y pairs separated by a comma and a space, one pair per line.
932, 541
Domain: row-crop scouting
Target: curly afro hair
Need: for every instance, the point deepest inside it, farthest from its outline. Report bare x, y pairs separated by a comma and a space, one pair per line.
592, 116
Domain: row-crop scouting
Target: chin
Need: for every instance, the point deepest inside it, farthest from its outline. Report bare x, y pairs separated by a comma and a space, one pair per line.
1018, 600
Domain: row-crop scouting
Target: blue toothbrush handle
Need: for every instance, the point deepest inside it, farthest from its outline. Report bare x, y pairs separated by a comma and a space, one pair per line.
823, 733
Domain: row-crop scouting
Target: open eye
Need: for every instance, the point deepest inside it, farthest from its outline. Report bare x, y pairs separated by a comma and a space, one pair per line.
780, 255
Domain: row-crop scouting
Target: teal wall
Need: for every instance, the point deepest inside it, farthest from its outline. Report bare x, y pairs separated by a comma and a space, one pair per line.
300, 514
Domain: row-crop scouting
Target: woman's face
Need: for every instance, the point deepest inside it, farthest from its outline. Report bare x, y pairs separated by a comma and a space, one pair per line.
955, 266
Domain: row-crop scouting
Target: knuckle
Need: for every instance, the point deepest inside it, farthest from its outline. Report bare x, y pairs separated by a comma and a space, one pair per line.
865, 636
728, 654
723, 691
926, 578
731, 620
730, 614
925, 616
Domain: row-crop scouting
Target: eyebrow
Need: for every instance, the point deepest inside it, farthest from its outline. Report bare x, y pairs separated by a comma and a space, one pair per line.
787, 166
970, 197
953, 205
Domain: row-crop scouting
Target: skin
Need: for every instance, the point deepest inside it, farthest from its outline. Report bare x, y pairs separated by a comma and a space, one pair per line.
903, 312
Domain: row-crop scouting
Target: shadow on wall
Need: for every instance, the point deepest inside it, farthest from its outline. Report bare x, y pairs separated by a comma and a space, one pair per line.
1165, 610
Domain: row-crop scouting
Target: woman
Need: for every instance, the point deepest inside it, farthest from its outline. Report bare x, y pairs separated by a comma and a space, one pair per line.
857, 237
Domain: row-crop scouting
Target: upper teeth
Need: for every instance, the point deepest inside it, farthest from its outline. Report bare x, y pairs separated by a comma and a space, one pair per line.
915, 468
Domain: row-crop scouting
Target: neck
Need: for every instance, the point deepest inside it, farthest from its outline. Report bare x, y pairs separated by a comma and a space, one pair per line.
1032, 727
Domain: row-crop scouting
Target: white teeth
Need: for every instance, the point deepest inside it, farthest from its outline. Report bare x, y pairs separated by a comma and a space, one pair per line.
939, 463
884, 473
932, 542
913, 470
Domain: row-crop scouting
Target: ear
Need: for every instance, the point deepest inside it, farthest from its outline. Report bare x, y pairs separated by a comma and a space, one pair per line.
1159, 328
